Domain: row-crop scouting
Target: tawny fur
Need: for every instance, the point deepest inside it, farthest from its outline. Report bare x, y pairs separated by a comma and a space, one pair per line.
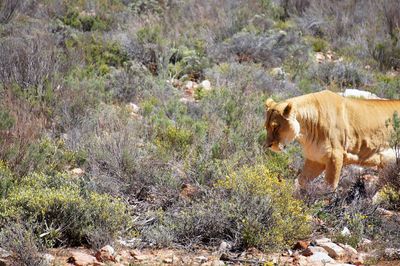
333, 131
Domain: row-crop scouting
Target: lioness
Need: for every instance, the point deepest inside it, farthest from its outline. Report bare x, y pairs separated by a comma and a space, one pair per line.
333, 131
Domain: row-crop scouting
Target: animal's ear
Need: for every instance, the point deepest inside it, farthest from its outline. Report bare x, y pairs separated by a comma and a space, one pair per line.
287, 110
269, 103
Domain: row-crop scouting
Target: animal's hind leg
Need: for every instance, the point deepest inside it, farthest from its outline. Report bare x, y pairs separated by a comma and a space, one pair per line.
333, 169
310, 171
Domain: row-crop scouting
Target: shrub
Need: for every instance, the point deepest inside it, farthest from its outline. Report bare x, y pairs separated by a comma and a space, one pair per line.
31, 62
20, 240
289, 215
250, 208
85, 22
61, 210
344, 75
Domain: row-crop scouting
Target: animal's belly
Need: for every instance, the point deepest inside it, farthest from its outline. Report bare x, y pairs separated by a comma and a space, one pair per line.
376, 158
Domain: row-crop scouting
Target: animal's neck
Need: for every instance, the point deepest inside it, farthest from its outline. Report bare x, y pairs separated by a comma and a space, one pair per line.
308, 117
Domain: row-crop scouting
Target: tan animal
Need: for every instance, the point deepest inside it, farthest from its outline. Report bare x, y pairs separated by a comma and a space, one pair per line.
333, 131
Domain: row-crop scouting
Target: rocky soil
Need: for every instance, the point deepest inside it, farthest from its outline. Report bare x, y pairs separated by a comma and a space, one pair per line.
320, 251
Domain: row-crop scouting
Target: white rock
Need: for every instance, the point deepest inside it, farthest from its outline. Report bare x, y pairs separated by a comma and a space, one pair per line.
315, 249
319, 241
206, 85
392, 253
335, 251
320, 257
200, 259
358, 94
109, 249
48, 258
190, 84
278, 73
186, 100
345, 231
349, 249
338, 264
4, 253
77, 172
133, 107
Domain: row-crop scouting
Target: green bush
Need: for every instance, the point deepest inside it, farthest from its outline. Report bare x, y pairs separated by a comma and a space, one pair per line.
85, 22
290, 217
60, 209
251, 207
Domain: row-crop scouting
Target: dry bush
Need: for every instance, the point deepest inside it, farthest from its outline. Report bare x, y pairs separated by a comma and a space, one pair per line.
20, 240
28, 124
29, 62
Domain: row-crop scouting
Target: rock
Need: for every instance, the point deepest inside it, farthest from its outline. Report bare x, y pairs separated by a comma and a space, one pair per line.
4, 262
319, 241
224, 246
345, 231
48, 259
106, 253
338, 264
4, 253
392, 253
335, 251
168, 260
349, 249
77, 172
314, 249
320, 257
190, 85
141, 257
82, 259
188, 191
319, 57
300, 245
186, 100
359, 94
200, 259
206, 85
133, 108
278, 73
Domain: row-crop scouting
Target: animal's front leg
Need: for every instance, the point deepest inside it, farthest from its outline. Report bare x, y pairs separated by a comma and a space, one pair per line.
334, 168
310, 171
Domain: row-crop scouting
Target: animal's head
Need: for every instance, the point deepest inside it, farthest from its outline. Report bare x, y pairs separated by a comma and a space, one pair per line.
281, 124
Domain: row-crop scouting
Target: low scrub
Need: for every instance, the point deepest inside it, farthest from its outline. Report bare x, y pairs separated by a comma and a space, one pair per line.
251, 207
59, 208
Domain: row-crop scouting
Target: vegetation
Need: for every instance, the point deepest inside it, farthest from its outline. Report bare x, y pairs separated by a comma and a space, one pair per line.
104, 86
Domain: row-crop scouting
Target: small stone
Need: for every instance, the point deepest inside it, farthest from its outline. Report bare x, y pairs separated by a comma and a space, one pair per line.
334, 250
168, 260
392, 253
141, 257
300, 245
217, 263
206, 85
82, 259
4, 253
106, 253
186, 100
200, 259
188, 191
77, 172
349, 249
314, 249
48, 258
319, 241
189, 85
224, 246
133, 108
345, 231
320, 257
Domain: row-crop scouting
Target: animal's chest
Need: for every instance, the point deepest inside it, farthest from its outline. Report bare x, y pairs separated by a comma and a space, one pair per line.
316, 152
